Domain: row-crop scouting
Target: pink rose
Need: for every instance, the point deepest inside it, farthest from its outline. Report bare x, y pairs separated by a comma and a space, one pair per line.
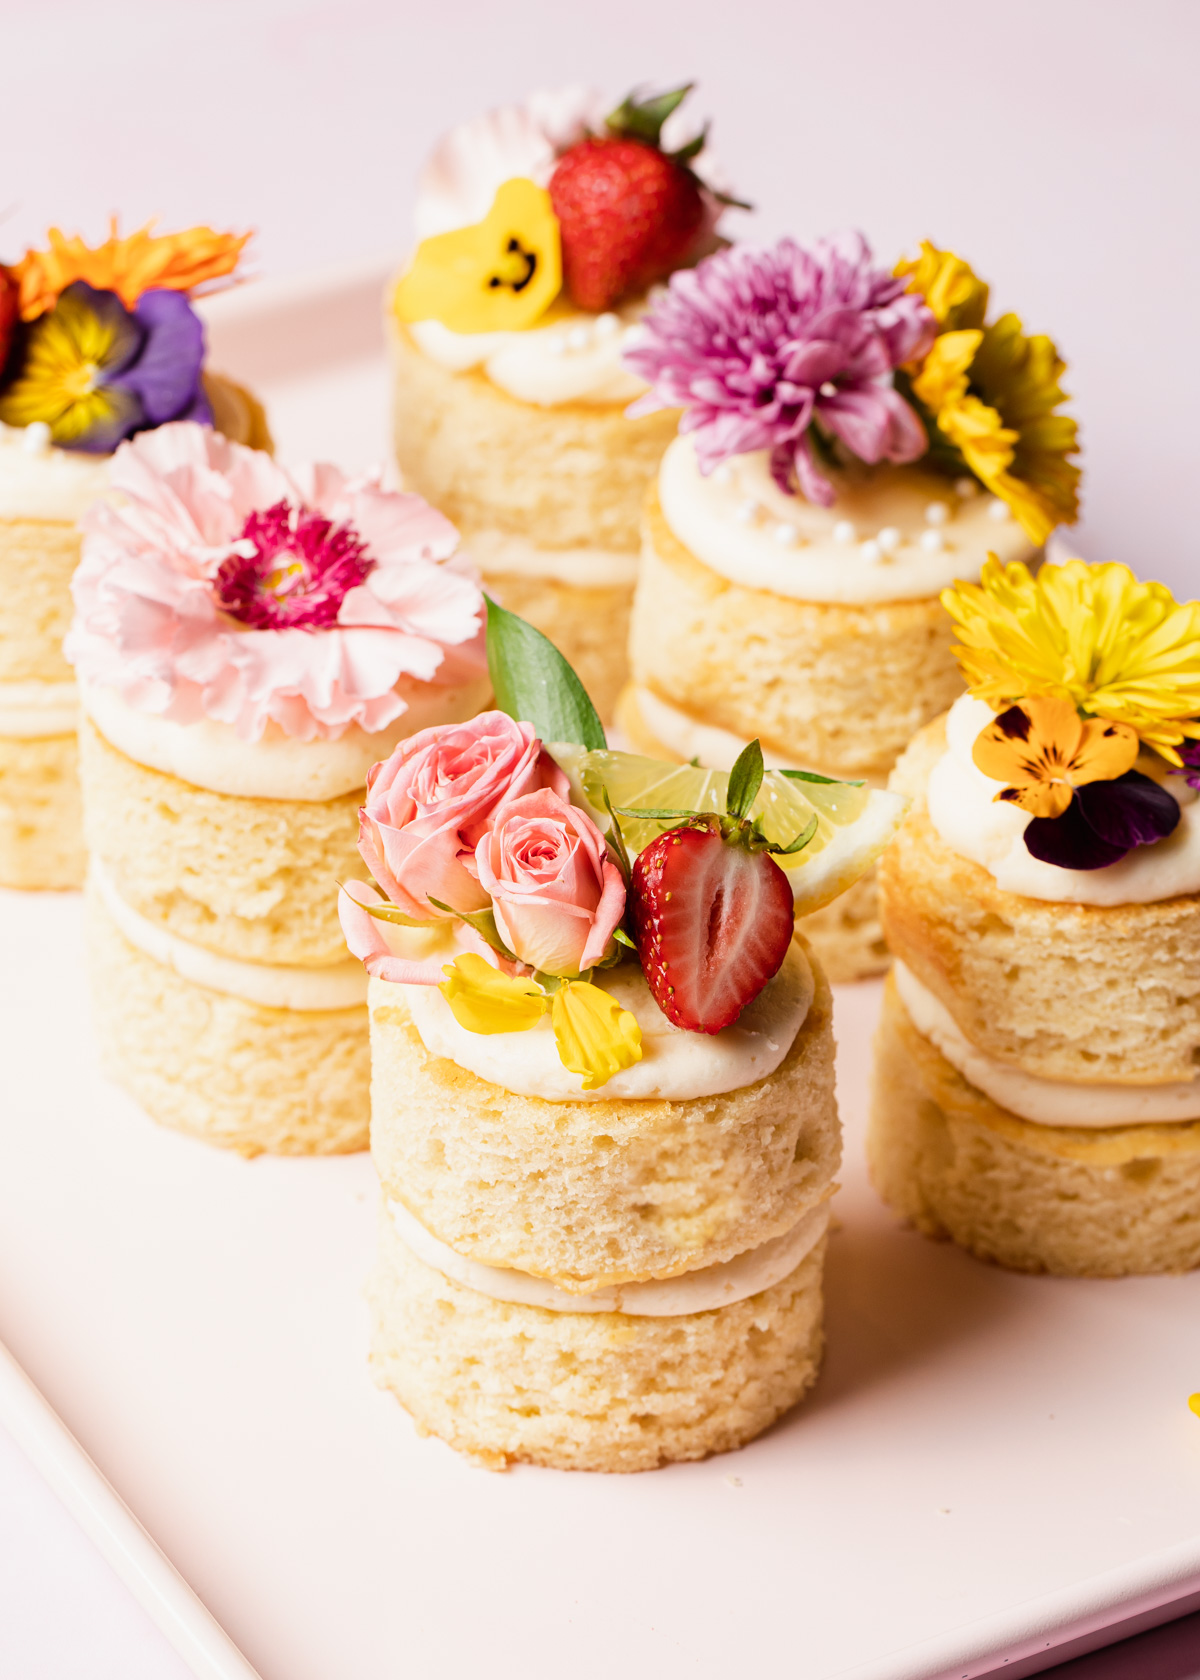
428, 804
556, 893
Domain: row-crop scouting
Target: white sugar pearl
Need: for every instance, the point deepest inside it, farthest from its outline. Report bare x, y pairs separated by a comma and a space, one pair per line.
723, 474
657, 292
746, 513
786, 536
998, 509
936, 513
556, 345
933, 541
844, 532
829, 389
888, 539
871, 552
965, 487
37, 437
579, 337
607, 324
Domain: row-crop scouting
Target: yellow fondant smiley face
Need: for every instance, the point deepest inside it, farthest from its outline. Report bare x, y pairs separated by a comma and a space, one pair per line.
500, 275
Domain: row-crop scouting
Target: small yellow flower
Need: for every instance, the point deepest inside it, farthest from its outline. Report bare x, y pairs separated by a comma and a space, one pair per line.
595, 1036
991, 392
1093, 635
485, 1001
1042, 749
499, 275
177, 262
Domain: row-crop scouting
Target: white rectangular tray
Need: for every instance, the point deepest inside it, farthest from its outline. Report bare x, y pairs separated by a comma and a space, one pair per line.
992, 1468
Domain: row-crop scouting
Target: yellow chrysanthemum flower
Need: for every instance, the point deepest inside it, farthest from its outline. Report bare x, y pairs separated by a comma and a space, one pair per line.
1116, 648
140, 262
991, 392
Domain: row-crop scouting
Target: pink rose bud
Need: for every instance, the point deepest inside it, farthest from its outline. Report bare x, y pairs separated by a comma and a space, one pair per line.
430, 802
556, 894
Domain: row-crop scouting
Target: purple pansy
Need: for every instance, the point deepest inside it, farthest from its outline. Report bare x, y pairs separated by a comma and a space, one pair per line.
759, 346
1104, 822
1189, 752
291, 570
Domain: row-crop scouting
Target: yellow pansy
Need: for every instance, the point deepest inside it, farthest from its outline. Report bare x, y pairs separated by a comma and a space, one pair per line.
1093, 635
1043, 750
991, 393
485, 1001
499, 275
594, 1035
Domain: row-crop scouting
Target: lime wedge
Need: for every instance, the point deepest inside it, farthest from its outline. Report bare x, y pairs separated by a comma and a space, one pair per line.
854, 824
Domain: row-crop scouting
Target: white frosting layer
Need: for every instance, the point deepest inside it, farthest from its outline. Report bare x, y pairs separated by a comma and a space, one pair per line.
497, 553
701, 1291
277, 766
38, 481
1050, 1102
574, 358
963, 810
340, 986
894, 534
30, 711
675, 1065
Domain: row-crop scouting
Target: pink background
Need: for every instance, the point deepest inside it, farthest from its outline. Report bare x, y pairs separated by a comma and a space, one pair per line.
1053, 142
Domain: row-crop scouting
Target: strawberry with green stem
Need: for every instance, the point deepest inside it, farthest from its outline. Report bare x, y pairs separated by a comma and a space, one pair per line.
712, 910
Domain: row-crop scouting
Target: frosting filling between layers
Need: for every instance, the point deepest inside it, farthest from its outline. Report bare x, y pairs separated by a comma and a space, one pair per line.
964, 812
213, 755
38, 481
896, 534
576, 358
500, 554
31, 711
705, 1290
340, 986
1048, 1102
676, 1066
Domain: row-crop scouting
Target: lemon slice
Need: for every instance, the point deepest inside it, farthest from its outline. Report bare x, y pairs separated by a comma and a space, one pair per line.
854, 824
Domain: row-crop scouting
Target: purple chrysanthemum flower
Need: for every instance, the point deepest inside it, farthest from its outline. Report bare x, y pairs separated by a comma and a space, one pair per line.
291, 570
758, 345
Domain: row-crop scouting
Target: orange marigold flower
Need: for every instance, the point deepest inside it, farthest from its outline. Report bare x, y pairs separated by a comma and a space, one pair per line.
129, 266
1043, 750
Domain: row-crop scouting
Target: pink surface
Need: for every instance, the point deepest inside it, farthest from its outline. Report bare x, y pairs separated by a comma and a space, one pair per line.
1054, 144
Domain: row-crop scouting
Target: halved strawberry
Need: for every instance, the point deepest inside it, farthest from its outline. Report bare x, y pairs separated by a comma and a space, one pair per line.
713, 921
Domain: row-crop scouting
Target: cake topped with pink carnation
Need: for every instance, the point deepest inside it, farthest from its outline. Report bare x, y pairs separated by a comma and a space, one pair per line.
217, 584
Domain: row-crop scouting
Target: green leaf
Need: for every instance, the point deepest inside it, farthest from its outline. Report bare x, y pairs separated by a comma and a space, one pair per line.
802, 839
811, 776
622, 938
389, 913
484, 923
647, 811
616, 839
643, 119
534, 683
745, 779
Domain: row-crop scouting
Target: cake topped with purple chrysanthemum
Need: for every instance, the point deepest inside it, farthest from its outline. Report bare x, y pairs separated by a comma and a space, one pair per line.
854, 438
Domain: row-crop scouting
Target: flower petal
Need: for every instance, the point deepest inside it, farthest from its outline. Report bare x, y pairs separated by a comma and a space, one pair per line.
483, 1000
594, 1035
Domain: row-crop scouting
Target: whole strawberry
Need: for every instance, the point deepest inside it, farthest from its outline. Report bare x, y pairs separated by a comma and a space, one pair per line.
628, 212
10, 294
712, 910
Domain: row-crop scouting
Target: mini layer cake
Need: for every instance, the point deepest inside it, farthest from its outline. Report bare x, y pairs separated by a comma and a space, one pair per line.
541, 228
248, 641
1036, 1096
812, 509
129, 296
603, 1110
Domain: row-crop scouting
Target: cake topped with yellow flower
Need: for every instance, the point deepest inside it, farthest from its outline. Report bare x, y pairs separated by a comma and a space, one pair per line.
602, 1095
1036, 1090
541, 230
97, 343
854, 436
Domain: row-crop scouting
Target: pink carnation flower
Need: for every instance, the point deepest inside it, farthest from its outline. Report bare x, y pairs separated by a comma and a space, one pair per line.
759, 346
216, 584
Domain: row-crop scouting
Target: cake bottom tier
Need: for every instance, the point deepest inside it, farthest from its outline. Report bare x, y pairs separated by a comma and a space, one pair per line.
41, 819
1076, 1201
589, 625
235, 1073
846, 934
506, 1383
